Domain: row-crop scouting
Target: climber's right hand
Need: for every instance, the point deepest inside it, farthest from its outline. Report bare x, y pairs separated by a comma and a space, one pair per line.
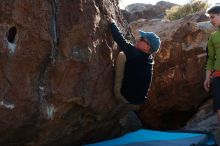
110, 19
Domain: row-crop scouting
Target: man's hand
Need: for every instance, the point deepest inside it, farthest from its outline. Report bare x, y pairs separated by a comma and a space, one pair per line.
110, 19
207, 84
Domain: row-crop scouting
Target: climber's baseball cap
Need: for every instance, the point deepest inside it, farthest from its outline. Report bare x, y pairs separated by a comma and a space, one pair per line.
152, 38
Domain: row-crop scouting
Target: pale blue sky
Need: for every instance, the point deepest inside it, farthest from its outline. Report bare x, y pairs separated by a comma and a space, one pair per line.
124, 3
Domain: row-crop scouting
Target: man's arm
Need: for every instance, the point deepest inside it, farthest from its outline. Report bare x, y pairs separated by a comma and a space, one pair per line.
211, 55
209, 64
207, 81
118, 37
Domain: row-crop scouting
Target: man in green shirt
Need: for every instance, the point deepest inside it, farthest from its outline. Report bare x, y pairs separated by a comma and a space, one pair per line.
213, 61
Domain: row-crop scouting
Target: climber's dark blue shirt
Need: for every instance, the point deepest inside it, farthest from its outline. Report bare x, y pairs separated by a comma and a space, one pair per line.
138, 69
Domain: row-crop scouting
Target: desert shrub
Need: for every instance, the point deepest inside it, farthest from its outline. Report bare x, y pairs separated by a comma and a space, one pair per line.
178, 12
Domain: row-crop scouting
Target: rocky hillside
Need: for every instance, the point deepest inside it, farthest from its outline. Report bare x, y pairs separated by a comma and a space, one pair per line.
177, 88
56, 73
146, 11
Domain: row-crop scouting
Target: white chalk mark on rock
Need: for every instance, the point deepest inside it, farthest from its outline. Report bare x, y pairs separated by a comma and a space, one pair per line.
7, 105
11, 47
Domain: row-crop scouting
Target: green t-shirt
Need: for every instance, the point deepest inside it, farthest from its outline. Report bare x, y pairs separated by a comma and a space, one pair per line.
213, 62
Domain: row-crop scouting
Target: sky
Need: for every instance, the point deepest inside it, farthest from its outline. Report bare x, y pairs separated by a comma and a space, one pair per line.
124, 3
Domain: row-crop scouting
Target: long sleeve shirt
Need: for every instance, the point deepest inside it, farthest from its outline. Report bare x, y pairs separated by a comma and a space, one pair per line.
138, 69
213, 62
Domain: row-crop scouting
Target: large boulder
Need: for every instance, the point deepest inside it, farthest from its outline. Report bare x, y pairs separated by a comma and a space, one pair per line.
146, 11
56, 73
177, 87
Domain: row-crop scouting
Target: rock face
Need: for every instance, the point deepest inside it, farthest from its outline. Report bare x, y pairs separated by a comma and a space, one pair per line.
56, 73
205, 119
177, 87
146, 11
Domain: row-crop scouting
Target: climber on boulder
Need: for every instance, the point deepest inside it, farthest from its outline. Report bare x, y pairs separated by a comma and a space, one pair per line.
134, 65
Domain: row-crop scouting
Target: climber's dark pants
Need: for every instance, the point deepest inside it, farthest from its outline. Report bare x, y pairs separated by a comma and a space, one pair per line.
216, 93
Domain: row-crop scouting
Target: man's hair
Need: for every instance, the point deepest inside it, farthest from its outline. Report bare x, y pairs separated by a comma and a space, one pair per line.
214, 10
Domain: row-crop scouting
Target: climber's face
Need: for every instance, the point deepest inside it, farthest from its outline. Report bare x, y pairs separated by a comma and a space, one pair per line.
215, 19
143, 45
